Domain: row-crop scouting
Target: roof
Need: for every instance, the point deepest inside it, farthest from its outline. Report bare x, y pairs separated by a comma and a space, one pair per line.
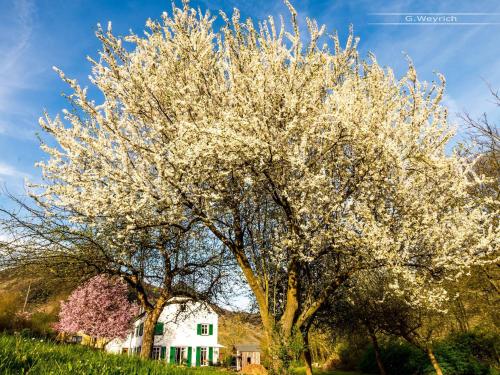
247, 347
181, 302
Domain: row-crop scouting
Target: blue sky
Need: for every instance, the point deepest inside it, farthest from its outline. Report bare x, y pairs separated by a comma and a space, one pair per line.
38, 34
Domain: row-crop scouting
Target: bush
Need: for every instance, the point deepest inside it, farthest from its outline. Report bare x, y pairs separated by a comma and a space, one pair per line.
399, 358
473, 353
41, 323
350, 352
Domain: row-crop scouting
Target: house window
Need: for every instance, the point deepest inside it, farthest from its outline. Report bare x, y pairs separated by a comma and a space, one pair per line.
155, 354
204, 329
204, 356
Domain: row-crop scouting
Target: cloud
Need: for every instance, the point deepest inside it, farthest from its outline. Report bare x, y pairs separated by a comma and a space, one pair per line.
12, 180
14, 45
24, 22
7, 170
20, 68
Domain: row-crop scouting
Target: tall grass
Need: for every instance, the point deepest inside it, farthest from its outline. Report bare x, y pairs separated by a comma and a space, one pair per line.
302, 371
20, 355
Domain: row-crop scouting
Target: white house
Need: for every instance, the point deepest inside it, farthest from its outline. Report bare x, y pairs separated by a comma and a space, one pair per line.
185, 334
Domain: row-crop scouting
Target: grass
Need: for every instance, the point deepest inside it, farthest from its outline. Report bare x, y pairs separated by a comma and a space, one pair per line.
19, 355
31, 356
302, 371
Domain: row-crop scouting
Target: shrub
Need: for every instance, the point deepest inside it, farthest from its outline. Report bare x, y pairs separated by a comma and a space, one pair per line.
351, 351
473, 353
470, 353
41, 323
399, 358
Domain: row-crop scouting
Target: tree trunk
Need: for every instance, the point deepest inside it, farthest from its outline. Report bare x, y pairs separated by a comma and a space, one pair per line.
307, 353
434, 361
148, 335
376, 348
281, 350
287, 325
461, 315
289, 317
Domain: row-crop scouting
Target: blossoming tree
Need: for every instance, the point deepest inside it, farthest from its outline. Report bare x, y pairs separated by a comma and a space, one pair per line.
308, 163
99, 308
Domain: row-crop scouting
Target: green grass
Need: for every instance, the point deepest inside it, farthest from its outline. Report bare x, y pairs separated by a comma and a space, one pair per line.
31, 356
302, 371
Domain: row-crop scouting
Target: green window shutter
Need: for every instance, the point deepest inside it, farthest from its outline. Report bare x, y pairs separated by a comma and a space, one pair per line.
163, 352
198, 356
172, 355
159, 329
198, 329
190, 355
211, 329
141, 329
211, 355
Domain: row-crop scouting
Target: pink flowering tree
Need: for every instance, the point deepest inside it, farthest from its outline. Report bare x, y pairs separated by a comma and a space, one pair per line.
99, 308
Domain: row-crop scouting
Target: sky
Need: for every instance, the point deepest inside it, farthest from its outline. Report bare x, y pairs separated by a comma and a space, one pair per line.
38, 34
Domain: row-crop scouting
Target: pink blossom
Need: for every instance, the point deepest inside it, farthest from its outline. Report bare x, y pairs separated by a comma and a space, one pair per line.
99, 308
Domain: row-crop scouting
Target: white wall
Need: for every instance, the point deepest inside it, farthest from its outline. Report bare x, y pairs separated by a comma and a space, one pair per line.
180, 329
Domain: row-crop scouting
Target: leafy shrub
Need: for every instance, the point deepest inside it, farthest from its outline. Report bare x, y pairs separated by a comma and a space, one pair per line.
473, 353
351, 351
229, 360
41, 323
399, 358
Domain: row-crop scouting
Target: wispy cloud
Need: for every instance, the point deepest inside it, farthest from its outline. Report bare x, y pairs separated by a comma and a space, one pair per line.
12, 179
24, 22
7, 170
19, 68
13, 72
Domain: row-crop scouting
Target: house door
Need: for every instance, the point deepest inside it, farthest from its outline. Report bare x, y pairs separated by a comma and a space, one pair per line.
204, 357
180, 355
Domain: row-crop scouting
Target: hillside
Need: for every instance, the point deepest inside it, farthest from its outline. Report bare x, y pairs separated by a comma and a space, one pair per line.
43, 292
238, 328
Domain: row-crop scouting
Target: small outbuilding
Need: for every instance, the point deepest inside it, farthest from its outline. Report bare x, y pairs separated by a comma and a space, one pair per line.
246, 354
